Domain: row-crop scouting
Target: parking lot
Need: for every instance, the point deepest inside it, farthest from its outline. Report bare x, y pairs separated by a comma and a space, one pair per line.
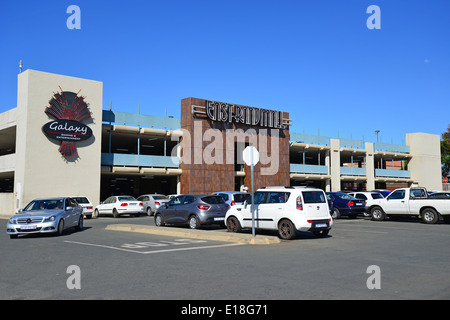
412, 259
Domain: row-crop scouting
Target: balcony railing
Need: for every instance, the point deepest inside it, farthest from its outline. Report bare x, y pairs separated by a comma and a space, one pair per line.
392, 173
134, 160
352, 171
308, 168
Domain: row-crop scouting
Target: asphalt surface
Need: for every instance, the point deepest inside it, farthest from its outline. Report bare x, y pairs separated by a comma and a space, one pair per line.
412, 257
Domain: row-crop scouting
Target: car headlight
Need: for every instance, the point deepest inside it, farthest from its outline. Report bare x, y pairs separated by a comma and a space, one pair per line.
12, 221
52, 218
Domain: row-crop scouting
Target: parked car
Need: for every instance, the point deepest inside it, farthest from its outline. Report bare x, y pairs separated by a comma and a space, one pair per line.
233, 197
88, 209
285, 209
370, 197
412, 202
440, 195
118, 205
53, 215
192, 209
345, 204
152, 202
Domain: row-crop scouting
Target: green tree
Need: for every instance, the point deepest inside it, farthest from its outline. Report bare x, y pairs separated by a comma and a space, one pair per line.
445, 153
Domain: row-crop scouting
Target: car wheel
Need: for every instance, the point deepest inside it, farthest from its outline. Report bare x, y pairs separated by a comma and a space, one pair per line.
335, 213
429, 216
149, 211
378, 214
286, 230
60, 228
115, 213
95, 214
233, 225
194, 223
159, 220
80, 224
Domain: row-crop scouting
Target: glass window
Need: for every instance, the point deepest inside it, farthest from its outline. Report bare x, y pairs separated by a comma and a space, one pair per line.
241, 197
188, 199
224, 196
399, 194
417, 193
313, 197
376, 196
213, 200
175, 201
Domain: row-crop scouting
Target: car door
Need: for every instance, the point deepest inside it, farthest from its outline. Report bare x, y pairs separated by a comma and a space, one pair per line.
246, 213
108, 205
169, 213
271, 210
396, 202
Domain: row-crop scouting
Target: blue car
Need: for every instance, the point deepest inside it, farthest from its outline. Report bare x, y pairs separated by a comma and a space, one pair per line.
342, 204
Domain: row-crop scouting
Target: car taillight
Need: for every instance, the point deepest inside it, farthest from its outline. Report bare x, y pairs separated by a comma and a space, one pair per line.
299, 203
141, 204
123, 204
157, 203
89, 208
203, 207
233, 203
350, 203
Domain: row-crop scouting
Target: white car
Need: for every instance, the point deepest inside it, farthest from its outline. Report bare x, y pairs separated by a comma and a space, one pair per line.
371, 198
286, 209
84, 202
118, 205
152, 202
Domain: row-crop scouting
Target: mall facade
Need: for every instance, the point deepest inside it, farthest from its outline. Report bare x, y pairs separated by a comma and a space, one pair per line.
60, 140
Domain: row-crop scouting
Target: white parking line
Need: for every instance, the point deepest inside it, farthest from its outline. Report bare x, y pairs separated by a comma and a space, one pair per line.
156, 251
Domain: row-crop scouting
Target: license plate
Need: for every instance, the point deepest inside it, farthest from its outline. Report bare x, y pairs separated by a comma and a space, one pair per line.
321, 225
133, 204
359, 204
28, 227
219, 219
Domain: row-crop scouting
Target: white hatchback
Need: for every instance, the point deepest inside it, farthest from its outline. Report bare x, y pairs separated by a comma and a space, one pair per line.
286, 209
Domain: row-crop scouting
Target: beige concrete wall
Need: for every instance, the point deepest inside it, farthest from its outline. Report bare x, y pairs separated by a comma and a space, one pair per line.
370, 166
41, 171
425, 165
335, 165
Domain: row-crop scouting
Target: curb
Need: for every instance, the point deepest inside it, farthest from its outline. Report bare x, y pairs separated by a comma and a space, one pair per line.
196, 234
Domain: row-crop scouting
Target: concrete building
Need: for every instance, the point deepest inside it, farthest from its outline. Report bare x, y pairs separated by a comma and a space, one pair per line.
60, 140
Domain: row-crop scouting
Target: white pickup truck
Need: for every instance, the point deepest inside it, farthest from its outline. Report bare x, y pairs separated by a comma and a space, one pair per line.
411, 202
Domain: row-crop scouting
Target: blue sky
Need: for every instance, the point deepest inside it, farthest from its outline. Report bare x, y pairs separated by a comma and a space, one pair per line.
315, 59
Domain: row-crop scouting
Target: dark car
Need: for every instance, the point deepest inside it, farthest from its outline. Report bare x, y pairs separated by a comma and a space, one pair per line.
192, 209
440, 195
343, 204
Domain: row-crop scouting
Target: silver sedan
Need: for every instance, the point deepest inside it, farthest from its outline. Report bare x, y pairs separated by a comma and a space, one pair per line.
46, 216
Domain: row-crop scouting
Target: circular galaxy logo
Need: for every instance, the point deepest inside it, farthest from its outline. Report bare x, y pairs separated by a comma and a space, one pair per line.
69, 110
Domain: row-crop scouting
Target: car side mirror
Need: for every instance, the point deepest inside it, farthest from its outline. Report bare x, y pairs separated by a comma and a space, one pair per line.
68, 208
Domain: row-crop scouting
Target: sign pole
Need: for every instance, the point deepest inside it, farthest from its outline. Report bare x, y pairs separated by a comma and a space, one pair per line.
253, 193
250, 156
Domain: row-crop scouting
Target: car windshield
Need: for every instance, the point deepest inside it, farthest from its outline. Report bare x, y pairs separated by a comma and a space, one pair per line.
163, 197
50, 204
213, 200
126, 198
241, 197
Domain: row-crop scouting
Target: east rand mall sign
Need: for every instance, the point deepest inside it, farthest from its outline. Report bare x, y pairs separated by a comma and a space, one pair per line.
69, 110
225, 112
